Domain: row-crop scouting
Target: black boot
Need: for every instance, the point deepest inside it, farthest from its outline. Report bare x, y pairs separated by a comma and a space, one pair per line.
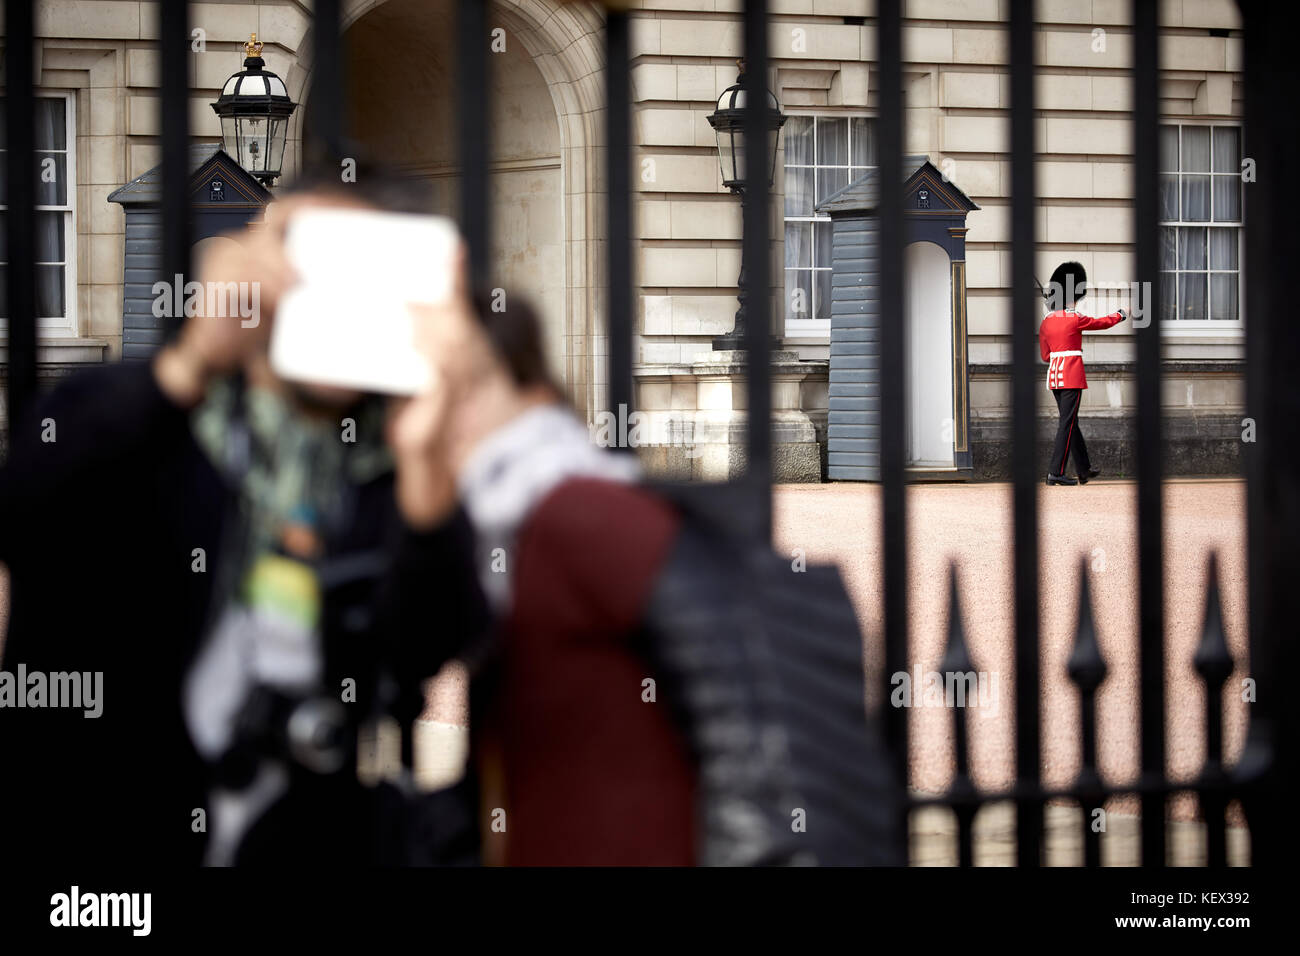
1087, 476
1060, 480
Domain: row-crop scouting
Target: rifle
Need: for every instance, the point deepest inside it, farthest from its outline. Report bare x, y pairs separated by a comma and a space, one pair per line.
1041, 291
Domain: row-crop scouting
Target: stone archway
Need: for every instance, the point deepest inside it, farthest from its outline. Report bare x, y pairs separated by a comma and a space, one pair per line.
552, 47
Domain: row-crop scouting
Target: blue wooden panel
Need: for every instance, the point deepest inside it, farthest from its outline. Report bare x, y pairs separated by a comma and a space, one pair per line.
844, 336
849, 360
139, 228
140, 321
142, 336
865, 446
852, 287
857, 431
854, 398
140, 290
853, 451
857, 459
142, 332
845, 419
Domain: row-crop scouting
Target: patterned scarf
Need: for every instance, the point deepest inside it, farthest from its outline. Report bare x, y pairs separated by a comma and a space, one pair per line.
513, 469
286, 467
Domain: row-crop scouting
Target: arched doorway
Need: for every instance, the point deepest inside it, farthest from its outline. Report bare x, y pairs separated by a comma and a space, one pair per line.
401, 83
930, 361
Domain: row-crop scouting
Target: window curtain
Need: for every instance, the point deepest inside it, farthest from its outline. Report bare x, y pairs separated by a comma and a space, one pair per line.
798, 157
51, 190
1196, 174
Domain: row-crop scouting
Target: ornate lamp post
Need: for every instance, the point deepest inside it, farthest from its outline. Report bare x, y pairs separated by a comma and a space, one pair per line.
254, 107
728, 122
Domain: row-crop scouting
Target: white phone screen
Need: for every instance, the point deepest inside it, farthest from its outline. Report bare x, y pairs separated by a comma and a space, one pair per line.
348, 321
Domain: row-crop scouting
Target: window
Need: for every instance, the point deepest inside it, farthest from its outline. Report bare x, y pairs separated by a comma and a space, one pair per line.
1201, 225
823, 154
56, 231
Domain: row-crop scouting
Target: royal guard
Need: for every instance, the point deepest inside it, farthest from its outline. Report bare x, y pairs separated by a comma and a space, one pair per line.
1060, 340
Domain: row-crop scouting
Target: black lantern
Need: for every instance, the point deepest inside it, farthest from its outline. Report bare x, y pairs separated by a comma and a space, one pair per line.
254, 107
728, 122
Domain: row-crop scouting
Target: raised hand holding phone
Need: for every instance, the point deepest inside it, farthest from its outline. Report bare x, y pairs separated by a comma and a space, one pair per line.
450, 339
348, 322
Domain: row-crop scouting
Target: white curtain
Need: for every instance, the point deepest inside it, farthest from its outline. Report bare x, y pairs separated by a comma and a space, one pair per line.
832, 142
863, 145
1191, 285
1223, 288
798, 136
798, 274
1196, 160
1196, 198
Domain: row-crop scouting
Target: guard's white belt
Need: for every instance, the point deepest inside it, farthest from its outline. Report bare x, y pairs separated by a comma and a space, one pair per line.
1071, 352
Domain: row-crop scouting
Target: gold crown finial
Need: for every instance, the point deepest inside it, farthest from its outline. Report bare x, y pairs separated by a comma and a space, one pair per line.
254, 46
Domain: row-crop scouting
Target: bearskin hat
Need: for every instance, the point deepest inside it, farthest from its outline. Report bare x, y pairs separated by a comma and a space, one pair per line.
1069, 285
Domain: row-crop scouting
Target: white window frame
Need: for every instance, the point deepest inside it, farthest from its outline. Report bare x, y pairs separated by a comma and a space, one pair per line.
1208, 326
817, 330
61, 326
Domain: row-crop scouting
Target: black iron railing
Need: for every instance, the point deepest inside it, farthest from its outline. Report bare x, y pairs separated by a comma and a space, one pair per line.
174, 125
20, 217
893, 383
1272, 398
1024, 416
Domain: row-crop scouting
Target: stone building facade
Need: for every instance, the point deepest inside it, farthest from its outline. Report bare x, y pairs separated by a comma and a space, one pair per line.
98, 77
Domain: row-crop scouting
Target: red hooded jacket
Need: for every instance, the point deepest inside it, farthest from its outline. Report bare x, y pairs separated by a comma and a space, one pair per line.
588, 772
1060, 340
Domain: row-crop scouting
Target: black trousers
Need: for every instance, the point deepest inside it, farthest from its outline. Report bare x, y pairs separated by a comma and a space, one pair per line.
1069, 440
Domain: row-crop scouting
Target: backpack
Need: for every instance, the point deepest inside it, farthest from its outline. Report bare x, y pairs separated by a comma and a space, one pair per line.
764, 668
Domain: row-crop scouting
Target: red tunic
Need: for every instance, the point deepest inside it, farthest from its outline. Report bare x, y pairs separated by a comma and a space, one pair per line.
592, 773
1060, 340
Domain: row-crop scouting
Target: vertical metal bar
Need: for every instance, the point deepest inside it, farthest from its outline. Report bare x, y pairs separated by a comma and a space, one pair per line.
327, 83
174, 124
1273, 459
956, 662
20, 217
756, 255
1025, 468
618, 234
474, 109
1257, 135
1146, 99
889, 44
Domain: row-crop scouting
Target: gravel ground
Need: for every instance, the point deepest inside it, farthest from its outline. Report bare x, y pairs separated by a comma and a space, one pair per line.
971, 524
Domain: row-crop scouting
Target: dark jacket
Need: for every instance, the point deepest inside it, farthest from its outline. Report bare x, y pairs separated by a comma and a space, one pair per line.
99, 529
